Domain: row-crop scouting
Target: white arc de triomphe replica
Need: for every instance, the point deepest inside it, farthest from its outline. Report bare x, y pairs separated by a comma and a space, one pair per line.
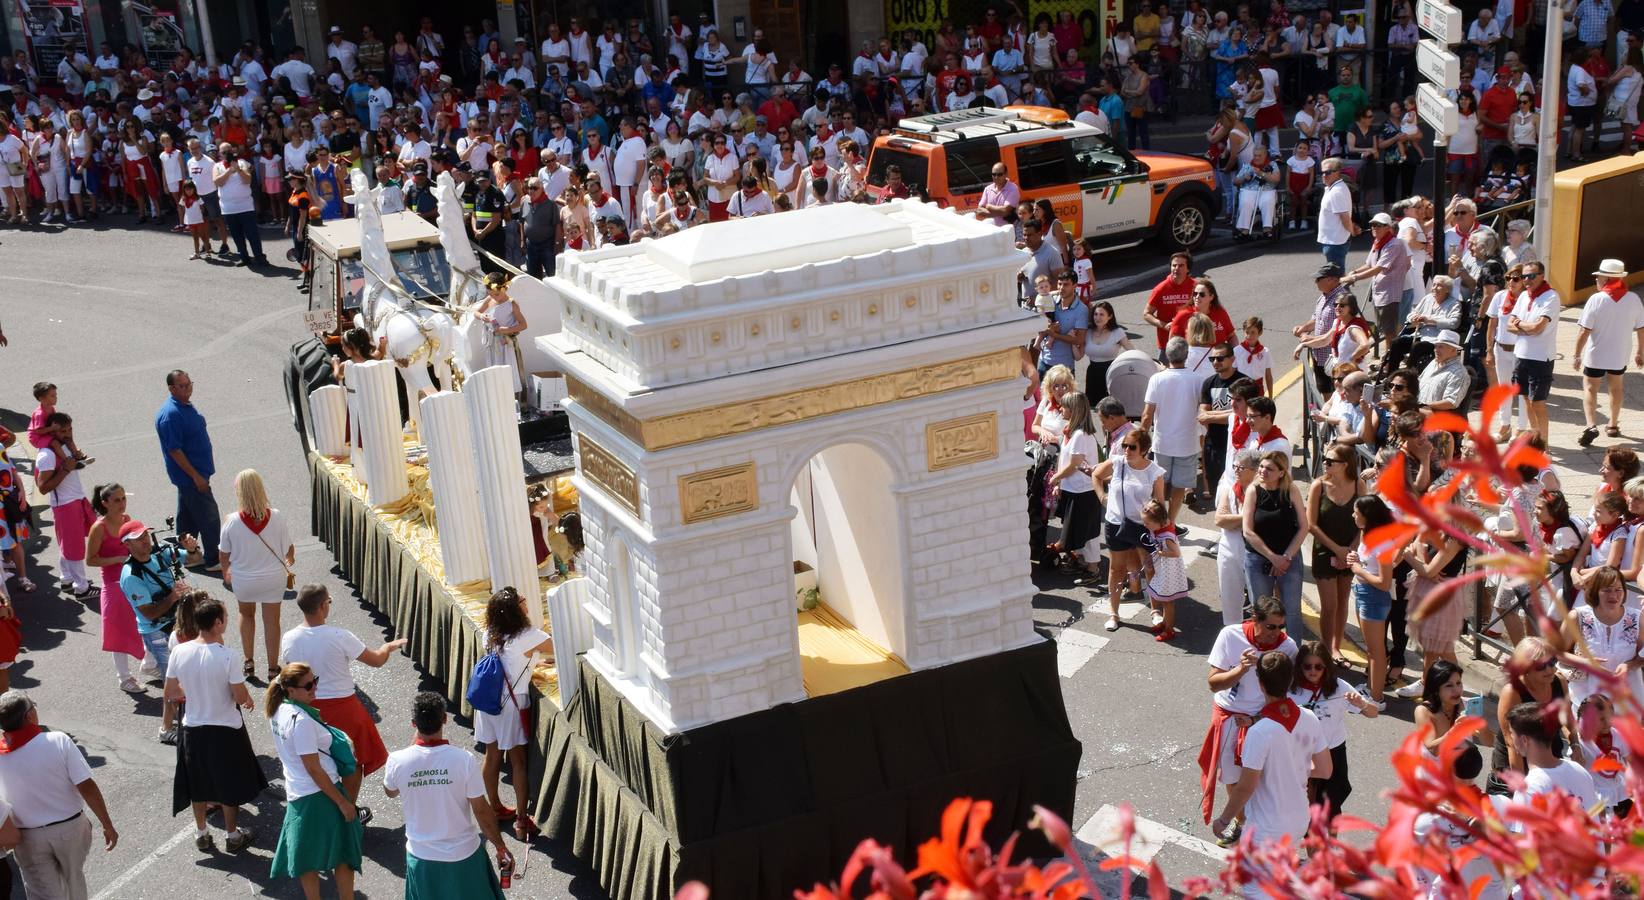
839, 385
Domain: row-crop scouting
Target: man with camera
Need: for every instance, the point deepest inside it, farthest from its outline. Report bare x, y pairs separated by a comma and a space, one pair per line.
233, 176
152, 579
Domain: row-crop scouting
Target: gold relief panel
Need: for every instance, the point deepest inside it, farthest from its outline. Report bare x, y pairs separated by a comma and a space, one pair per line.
605, 470
718, 492
957, 442
797, 406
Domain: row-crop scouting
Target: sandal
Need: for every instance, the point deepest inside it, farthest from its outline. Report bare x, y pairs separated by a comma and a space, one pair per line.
25, 585
524, 827
273, 673
249, 669
1588, 435
1613, 431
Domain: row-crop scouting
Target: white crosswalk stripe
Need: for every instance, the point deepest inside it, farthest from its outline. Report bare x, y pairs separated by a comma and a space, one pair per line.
1074, 648
1101, 831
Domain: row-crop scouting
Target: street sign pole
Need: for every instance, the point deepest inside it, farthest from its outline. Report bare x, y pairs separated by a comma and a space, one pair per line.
1442, 72
1552, 89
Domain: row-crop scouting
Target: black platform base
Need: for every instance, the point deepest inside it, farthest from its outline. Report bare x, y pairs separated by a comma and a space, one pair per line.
760, 805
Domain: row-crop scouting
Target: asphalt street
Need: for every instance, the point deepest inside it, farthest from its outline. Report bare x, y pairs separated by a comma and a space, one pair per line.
105, 312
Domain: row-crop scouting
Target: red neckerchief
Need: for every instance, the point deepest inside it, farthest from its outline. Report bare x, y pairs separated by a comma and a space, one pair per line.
1464, 235
1254, 350
11, 741
603, 197
1536, 292
1601, 531
1616, 288
1285, 712
1256, 640
819, 169
750, 194
1381, 242
1341, 326
1272, 434
1317, 687
657, 192
421, 741
1547, 532
722, 155
682, 213
866, 55
1241, 431
255, 525
1238, 493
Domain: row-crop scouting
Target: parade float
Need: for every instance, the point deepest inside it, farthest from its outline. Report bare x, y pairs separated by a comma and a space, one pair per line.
800, 580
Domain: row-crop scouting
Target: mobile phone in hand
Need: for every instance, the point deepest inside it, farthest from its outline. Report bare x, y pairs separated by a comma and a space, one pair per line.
1473, 706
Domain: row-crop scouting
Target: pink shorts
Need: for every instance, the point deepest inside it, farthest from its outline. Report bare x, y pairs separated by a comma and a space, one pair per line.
72, 521
271, 186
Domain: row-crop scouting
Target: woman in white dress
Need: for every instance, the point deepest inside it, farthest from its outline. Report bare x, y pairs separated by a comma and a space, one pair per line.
1230, 548
257, 555
510, 634
1607, 634
503, 321
1622, 89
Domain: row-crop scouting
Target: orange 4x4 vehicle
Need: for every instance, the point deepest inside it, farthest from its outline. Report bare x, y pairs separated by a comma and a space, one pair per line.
1100, 190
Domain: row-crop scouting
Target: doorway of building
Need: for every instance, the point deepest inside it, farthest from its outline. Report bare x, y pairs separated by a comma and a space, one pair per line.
848, 548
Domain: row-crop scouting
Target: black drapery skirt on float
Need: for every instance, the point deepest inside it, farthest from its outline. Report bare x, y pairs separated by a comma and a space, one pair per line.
215, 764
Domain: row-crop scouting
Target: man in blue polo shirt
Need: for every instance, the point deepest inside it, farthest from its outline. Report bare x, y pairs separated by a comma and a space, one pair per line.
187, 449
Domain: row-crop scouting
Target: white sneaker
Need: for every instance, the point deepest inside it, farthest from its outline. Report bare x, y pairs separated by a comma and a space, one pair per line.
1112, 623
1158, 618
149, 670
1364, 691
1409, 691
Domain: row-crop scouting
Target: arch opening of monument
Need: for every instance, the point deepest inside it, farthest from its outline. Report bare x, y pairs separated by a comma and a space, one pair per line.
850, 569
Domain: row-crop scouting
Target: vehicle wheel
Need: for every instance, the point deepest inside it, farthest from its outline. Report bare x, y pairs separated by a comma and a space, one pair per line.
1186, 225
307, 369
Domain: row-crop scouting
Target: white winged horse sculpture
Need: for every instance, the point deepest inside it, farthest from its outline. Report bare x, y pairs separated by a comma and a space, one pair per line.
473, 337
418, 335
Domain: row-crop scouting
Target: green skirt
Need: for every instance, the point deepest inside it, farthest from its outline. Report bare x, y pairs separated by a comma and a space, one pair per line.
314, 838
469, 879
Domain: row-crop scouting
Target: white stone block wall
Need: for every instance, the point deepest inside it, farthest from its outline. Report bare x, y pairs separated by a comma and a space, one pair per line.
712, 601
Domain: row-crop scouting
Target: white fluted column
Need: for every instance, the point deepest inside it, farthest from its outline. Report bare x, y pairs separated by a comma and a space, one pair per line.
573, 631
382, 458
450, 443
500, 470
328, 420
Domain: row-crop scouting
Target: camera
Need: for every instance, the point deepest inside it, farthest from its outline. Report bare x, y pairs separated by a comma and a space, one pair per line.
168, 539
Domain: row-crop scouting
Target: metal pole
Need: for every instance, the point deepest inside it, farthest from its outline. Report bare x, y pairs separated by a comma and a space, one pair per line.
1552, 88
207, 45
1440, 252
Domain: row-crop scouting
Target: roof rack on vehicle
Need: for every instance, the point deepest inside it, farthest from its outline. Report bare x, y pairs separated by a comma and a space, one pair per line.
953, 121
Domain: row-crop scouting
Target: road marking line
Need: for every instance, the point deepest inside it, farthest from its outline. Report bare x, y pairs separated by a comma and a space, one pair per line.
131, 874
1101, 831
1288, 380
1074, 648
171, 844
73, 285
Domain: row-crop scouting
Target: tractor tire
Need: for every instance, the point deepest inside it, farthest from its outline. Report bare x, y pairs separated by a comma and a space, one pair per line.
307, 369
